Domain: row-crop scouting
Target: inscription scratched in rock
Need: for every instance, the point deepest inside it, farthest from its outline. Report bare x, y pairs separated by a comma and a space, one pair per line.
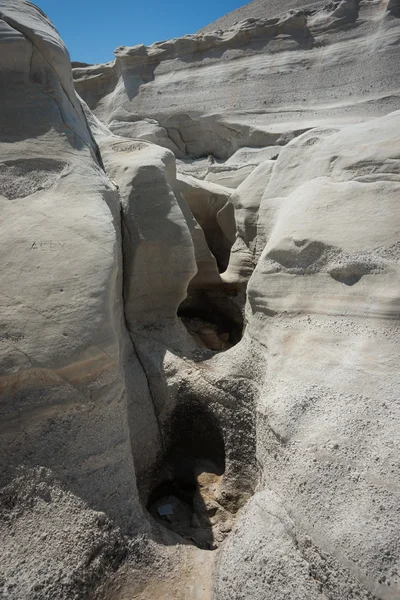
47, 246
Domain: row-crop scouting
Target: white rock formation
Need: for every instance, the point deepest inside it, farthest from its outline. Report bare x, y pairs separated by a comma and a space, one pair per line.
323, 308
234, 190
259, 83
65, 442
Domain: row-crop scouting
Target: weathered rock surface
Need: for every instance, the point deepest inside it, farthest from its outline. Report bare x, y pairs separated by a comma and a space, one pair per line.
62, 338
257, 9
200, 310
323, 306
259, 83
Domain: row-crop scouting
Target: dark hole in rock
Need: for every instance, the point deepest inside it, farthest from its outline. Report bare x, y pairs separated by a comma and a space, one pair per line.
188, 496
298, 254
393, 7
214, 319
348, 275
349, 280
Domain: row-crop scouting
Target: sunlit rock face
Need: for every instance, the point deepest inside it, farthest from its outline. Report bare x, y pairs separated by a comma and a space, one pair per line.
255, 82
199, 343
323, 308
65, 447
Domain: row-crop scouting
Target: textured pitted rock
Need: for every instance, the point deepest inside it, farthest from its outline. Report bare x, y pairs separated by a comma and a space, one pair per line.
323, 306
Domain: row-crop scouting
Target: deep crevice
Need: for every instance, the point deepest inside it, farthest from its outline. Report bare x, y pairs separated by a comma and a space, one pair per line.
187, 486
214, 319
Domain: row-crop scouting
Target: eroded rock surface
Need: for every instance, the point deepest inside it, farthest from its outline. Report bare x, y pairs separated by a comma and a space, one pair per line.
199, 343
66, 459
323, 306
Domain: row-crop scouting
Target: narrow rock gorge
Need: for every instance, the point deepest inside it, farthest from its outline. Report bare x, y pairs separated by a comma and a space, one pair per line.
200, 302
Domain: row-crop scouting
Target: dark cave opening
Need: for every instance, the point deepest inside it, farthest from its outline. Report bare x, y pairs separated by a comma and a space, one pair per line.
351, 273
347, 279
186, 495
214, 319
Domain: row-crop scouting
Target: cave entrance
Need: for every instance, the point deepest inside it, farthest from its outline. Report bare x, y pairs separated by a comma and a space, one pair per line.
187, 496
214, 319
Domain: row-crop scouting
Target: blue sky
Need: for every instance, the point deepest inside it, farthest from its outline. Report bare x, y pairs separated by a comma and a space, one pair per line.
92, 29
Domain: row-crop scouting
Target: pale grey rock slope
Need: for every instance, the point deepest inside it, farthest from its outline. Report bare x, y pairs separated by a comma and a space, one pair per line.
200, 294
259, 83
66, 458
258, 9
261, 9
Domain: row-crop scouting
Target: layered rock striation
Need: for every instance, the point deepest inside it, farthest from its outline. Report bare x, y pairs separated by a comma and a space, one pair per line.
258, 84
199, 343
